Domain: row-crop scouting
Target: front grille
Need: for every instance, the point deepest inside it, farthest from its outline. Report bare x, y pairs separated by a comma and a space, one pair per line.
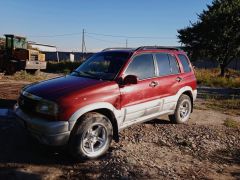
27, 104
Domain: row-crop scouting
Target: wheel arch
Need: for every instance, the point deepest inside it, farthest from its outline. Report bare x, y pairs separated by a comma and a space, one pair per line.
108, 113
103, 108
187, 90
189, 94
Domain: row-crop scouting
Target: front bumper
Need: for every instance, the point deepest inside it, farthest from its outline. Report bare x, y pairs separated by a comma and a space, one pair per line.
54, 133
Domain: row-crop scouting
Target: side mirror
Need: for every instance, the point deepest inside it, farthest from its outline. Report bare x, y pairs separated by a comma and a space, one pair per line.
130, 79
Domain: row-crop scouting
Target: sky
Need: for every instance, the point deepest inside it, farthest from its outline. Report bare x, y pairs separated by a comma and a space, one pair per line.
107, 23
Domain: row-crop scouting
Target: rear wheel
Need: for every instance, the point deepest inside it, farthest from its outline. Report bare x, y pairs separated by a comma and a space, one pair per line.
91, 136
182, 111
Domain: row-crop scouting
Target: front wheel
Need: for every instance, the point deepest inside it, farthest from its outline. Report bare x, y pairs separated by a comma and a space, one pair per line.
91, 136
182, 111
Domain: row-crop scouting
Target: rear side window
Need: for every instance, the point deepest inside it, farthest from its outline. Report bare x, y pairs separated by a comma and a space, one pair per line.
173, 64
167, 64
163, 64
142, 66
185, 63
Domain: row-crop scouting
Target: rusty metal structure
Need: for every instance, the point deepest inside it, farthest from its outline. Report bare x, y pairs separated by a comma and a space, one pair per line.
18, 55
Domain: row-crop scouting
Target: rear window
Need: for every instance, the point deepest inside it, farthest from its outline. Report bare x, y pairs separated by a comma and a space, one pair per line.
185, 63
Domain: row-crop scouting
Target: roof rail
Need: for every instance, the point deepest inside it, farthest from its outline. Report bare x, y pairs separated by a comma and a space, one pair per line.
158, 47
117, 48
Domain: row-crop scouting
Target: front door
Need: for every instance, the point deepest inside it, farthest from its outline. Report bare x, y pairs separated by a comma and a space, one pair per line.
139, 99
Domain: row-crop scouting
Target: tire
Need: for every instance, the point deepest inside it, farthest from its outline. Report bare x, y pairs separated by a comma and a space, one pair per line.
182, 111
91, 136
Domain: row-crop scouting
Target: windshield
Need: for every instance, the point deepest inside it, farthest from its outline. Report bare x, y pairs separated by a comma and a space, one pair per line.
104, 65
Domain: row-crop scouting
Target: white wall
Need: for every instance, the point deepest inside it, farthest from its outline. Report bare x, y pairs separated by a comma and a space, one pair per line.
44, 48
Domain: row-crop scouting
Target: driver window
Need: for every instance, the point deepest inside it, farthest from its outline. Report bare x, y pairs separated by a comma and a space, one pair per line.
141, 66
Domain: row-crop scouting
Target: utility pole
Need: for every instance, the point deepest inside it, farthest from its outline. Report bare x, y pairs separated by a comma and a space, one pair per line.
57, 55
126, 43
83, 44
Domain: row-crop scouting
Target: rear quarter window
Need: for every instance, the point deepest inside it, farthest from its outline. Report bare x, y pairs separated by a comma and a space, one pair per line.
185, 63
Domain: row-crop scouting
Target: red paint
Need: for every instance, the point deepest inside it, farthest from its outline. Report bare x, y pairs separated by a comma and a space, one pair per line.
71, 93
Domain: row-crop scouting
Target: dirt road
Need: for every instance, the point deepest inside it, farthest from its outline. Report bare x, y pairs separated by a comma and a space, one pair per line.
202, 149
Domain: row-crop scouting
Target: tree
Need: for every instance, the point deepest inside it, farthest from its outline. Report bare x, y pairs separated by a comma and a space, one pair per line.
216, 34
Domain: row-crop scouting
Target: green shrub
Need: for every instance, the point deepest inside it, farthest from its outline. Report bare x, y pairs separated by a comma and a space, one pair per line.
62, 67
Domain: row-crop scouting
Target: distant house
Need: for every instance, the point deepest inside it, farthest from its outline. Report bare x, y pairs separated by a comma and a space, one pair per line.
43, 47
52, 54
66, 56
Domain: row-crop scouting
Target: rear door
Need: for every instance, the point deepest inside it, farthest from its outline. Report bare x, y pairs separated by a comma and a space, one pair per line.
139, 99
169, 79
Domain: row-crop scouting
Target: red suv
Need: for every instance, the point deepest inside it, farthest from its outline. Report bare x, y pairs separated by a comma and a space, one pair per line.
110, 91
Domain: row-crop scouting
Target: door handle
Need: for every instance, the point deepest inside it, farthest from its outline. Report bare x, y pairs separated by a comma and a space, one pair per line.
153, 84
179, 79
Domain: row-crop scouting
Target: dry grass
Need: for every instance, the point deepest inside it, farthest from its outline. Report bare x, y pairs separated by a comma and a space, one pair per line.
24, 76
52, 67
227, 106
231, 123
210, 77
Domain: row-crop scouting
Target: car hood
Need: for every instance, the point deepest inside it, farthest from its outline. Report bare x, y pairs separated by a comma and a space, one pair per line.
59, 87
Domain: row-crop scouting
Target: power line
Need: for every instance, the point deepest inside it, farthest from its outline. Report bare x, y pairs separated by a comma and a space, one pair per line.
106, 35
93, 34
104, 40
56, 35
136, 37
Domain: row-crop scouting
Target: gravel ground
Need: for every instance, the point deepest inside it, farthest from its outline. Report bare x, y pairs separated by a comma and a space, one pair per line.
156, 149
201, 149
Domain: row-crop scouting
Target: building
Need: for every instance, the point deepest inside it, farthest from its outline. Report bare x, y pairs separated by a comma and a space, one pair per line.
52, 54
43, 47
65, 56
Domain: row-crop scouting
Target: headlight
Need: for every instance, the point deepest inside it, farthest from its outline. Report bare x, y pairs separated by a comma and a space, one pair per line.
47, 107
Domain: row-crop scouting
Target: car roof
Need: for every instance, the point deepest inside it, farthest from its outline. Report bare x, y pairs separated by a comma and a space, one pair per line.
145, 49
